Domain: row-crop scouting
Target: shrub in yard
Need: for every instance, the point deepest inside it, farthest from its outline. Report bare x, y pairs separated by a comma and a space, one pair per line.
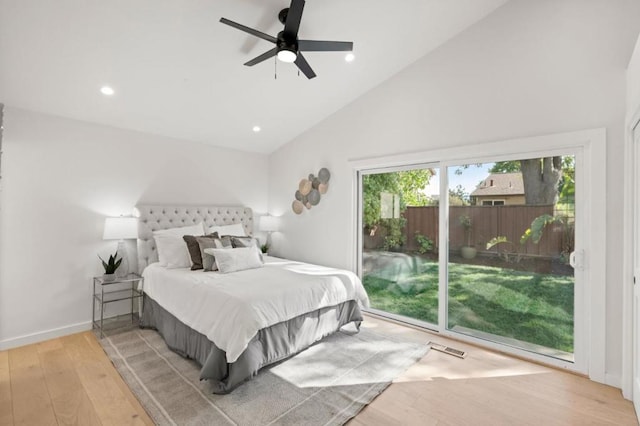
425, 244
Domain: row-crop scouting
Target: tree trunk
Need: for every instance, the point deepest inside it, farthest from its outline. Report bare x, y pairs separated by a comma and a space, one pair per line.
541, 177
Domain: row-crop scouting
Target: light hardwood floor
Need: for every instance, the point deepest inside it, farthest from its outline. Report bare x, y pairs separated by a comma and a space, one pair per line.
70, 380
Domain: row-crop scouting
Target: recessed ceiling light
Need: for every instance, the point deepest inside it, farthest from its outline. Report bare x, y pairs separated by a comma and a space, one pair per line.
256, 129
107, 91
349, 57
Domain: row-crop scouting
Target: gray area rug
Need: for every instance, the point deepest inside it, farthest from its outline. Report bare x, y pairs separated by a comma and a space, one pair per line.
327, 384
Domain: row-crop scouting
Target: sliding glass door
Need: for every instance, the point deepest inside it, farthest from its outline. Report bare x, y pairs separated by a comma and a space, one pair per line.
478, 249
511, 237
399, 250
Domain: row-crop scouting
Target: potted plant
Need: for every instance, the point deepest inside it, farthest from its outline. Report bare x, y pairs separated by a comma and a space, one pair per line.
468, 251
110, 267
264, 248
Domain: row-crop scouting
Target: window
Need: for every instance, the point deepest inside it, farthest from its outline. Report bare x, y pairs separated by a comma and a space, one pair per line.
493, 202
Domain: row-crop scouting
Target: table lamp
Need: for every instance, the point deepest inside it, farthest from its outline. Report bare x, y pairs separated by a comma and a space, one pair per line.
121, 228
268, 224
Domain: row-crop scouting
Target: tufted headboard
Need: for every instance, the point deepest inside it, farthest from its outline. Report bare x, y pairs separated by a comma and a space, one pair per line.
153, 218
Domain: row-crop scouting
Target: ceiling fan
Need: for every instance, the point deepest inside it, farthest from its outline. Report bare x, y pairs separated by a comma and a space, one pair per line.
288, 47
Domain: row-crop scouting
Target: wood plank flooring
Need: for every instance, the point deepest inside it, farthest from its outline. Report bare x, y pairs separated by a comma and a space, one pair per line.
70, 380
65, 381
488, 388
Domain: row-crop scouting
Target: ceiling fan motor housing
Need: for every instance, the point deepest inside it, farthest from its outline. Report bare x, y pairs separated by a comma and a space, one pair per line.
287, 44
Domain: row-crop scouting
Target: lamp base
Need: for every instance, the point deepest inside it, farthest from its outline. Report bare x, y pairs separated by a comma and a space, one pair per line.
123, 270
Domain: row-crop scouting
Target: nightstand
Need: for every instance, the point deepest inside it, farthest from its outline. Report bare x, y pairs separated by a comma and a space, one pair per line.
128, 287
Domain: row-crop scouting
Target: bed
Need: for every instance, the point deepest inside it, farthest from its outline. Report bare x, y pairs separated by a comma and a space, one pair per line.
236, 323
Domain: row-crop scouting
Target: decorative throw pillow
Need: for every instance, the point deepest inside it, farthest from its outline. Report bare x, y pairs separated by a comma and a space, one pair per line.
238, 259
208, 259
239, 242
244, 241
235, 229
172, 251
194, 249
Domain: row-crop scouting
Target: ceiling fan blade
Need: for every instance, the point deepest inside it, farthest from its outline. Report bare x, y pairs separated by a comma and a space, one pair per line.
249, 30
324, 46
266, 55
294, 16
304, 66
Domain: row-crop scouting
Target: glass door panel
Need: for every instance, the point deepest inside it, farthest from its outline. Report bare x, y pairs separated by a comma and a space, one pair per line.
511, 235
400, 242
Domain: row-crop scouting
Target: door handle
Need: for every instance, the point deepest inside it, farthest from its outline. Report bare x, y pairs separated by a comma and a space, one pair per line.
576, 259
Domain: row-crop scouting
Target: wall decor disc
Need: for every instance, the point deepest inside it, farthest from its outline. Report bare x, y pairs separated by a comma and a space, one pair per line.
314, 197
324, 175
297, 207
304, 186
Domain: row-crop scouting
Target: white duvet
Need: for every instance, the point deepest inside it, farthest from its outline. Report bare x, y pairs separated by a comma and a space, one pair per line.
230, 308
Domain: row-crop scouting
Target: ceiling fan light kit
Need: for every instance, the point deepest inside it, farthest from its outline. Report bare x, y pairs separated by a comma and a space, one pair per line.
286, 55
288, 47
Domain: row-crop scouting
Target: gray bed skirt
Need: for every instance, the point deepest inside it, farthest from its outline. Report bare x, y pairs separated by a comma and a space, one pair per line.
270, 345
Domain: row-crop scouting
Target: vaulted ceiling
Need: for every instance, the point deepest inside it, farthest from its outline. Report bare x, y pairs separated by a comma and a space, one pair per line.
176, 71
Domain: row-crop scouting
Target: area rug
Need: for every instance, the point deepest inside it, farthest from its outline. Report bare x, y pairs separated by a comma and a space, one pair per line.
327, 384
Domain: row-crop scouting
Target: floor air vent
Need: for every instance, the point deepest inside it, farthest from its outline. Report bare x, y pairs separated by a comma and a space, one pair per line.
448, 350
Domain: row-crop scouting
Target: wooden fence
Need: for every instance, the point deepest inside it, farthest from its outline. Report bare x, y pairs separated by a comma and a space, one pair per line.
487, 222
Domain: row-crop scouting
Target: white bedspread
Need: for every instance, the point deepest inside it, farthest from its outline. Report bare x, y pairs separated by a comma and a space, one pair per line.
230, 308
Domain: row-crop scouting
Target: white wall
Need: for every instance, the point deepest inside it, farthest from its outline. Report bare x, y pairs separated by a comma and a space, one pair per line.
61, 178
530, 68
633, 81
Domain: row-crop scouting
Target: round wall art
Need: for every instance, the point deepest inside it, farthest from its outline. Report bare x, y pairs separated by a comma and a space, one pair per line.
310, 191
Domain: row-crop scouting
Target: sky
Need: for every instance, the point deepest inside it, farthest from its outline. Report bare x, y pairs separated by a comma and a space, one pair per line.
469, 178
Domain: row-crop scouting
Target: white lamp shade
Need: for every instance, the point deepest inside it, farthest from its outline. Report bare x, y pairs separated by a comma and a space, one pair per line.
120, 228
269, 223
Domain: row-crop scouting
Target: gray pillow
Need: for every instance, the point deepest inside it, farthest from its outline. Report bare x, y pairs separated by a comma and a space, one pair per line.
194, 249
208, 260
245, 242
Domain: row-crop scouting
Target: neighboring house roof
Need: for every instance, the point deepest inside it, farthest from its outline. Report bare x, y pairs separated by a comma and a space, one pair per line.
500, 184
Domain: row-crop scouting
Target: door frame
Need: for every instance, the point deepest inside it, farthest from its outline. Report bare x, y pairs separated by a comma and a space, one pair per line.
628, 338
627, 279
590, 358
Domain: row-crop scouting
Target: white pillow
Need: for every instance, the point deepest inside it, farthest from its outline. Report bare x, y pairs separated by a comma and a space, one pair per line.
237, 259
237, 230
172, 249
196, 230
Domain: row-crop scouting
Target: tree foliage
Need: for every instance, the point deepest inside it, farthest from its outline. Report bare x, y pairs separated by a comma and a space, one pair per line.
407, 185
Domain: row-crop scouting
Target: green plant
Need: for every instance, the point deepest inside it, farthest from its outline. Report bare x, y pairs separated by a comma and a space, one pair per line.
540, 223
395, 233
465, 221
112, 264
534, 233
264, 248
512, 255
425, 243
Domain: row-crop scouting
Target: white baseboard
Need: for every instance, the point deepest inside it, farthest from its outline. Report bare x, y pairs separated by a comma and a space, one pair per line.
44, 335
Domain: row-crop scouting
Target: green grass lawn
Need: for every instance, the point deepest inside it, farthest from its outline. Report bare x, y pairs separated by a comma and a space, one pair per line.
531, 307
